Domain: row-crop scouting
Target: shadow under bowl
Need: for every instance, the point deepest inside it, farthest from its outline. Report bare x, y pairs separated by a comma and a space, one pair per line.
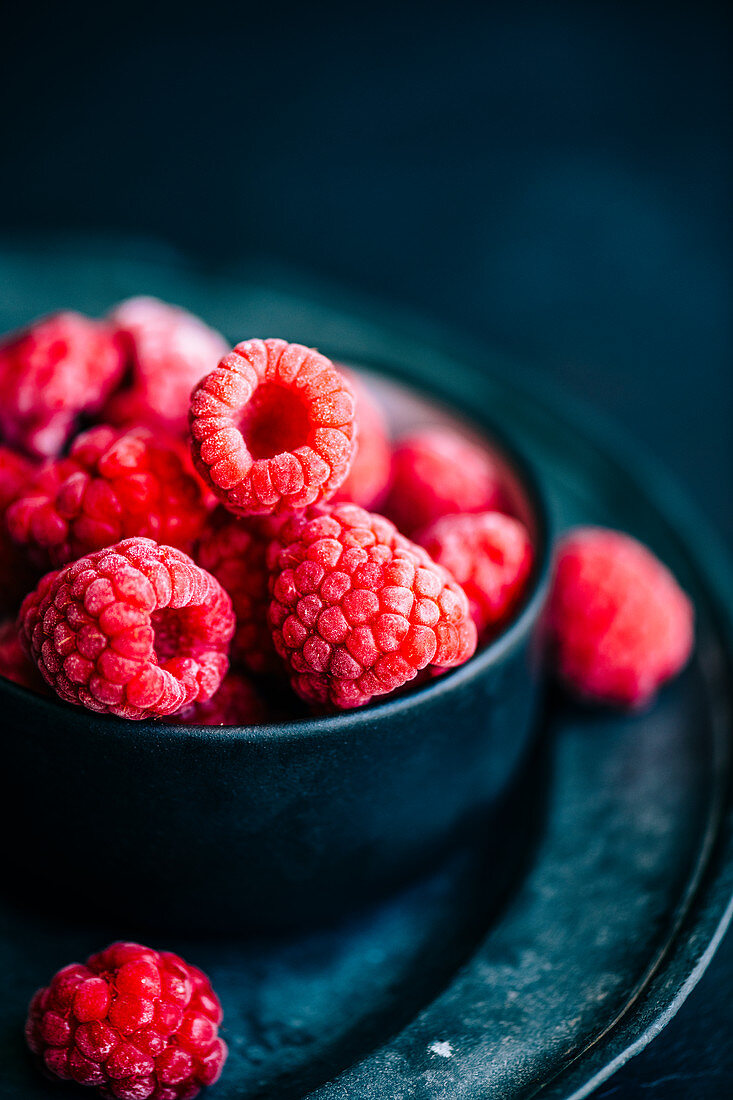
270, 827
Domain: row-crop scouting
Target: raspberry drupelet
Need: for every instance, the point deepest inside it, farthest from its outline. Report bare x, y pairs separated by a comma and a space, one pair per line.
137, 630
272, 428
367, 481
113, 485
438, 472
619, 623
50, 373
357, 609
17, 576
136, 1023
234, 550
167, 351
490, 555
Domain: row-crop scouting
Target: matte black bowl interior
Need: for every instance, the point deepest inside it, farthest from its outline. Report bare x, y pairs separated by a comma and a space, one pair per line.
275, 826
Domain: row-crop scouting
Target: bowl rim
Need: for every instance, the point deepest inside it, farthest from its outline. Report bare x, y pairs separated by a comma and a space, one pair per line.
490, 656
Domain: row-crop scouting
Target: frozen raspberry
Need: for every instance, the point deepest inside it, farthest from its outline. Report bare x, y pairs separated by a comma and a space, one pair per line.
14, 664
236, 703
234, 549
137, 630
490, 556
113, 485
50, 373
438, 472
357, 609
17, 576
272, 428
136, 1023
368, 479
16, 472
619, 622
168, 350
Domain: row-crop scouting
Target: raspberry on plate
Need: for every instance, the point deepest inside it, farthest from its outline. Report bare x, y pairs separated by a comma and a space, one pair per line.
50, 373
168, 350
367, 481
234, 550
490, 556
137, 630
136, 1023
357, 609
14, 662
619, 622
235, 703
437, 472
272, 428
17, 576
113, 485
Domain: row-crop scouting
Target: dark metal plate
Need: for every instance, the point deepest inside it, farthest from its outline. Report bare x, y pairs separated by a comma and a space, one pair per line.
628, 858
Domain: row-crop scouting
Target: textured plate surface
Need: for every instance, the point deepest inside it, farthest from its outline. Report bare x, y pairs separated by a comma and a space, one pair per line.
627, 858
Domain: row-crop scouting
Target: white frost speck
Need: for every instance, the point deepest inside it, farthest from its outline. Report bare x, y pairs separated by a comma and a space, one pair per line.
442, 1049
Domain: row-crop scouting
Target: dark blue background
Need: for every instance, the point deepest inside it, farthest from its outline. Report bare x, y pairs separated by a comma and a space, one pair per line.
552, 177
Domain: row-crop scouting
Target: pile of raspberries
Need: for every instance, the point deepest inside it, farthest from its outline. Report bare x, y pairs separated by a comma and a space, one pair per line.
183, 527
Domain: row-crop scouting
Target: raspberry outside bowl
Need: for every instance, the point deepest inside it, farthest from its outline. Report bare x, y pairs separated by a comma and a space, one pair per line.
274, 826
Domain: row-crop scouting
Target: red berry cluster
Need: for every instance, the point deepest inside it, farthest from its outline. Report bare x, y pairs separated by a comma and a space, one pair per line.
137, 1023
256, 546
167, 350
113, 484
349, 604
51, 373
619, 623
357, 609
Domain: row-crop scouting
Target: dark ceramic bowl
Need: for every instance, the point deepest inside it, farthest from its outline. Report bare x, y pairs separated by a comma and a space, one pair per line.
273, 826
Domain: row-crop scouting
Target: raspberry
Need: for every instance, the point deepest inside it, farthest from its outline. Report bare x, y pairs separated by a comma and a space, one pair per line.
15, 473
490, 556
236, 703
619, 622
438, 472
113, 485
136, 1023
168, 351
16, 574
14, 664
234, 550
50, 373
357, 609
137, 630
272, 427
367, 481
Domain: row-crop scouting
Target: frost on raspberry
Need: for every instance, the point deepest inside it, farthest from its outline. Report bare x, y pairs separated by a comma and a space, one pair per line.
357, 609
490, 555
438, 472
620, 624
137, 630
272, 428
50, 373
234, 550
114, 484
167, 351
136, 1023
368, 479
